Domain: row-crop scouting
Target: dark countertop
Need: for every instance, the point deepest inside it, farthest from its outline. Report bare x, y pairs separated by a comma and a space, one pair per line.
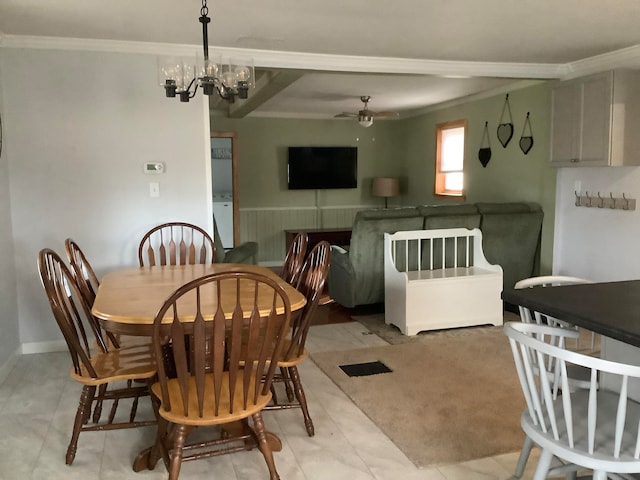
611, 308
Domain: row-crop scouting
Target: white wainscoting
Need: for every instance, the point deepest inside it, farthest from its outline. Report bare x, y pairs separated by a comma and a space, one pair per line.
267, 225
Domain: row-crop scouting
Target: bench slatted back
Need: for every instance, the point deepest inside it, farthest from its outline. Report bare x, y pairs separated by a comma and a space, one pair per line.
435, 249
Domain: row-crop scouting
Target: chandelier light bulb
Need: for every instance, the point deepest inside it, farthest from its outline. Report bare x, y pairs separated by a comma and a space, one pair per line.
229, 79
243, 74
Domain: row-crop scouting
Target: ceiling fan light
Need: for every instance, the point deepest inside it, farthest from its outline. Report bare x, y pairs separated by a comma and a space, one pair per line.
365, 120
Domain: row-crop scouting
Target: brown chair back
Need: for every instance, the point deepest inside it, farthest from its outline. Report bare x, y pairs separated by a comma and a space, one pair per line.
79, 327
220, 359
311, 284
294, 259
87, 280
176, 243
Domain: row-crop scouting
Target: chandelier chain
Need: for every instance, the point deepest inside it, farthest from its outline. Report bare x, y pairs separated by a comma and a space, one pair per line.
204, 11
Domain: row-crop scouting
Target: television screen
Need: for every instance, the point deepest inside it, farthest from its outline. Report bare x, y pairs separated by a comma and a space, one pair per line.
322, 167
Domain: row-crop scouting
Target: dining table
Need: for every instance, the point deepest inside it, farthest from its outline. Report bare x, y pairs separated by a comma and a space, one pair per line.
611, 309
128, 300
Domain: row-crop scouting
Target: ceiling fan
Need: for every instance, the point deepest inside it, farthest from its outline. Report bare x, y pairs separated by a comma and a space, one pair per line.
365, 116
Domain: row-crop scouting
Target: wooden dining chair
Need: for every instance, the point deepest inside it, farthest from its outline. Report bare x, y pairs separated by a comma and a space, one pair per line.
311, 284
595, 428
294, 259
96, 364
176, 243
219, 365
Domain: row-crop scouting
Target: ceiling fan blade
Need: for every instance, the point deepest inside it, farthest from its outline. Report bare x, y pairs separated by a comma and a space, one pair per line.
345, 115
384, 114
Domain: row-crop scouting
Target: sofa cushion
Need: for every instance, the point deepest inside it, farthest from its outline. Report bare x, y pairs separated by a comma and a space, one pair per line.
367, 254
509, 207
512, 241
452, 221
462, 209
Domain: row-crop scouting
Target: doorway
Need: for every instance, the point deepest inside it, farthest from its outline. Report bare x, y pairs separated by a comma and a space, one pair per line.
224, 183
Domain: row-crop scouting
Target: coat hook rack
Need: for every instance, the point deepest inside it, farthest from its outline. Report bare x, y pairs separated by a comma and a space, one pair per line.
605, 201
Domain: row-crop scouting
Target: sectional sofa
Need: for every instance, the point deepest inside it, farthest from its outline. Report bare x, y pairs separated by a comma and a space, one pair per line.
510, 238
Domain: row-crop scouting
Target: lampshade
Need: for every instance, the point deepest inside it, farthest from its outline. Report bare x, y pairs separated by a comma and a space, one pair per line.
385, 187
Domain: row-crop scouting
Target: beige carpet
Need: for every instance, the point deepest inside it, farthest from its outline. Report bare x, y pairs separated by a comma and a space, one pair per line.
450, 398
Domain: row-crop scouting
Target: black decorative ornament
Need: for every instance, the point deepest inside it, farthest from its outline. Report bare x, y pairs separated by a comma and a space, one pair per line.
484, 153
526, 141
505, 129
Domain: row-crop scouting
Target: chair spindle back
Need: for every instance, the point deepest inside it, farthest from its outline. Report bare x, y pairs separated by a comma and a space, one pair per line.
176, 243
226, 355
294, 259
70, 311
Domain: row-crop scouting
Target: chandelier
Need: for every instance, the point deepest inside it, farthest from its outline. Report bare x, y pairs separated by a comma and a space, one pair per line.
181, 76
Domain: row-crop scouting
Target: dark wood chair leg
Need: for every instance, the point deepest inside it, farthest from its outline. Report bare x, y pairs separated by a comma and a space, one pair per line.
97, 410
264, 446
179, 437
82, 415
302, 400
287, 383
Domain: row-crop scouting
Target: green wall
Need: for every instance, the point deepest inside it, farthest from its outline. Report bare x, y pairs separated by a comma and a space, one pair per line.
406, 148
262, 150
510, 175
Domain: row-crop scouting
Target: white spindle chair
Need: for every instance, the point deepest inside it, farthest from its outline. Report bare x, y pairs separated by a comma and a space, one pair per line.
593, 428
579, 377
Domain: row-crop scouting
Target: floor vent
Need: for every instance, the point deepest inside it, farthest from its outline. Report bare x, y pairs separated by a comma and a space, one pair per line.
364, 369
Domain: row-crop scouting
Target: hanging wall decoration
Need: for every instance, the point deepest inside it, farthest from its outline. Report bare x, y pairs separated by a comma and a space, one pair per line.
484, 154
505, 129
526, 141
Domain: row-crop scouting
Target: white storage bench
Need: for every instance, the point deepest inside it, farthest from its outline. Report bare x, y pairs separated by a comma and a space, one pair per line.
435, 279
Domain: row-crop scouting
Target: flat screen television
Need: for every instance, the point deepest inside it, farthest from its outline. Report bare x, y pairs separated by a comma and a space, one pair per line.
322, 168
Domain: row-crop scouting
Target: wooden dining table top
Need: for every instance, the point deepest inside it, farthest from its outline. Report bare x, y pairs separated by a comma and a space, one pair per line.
128, 300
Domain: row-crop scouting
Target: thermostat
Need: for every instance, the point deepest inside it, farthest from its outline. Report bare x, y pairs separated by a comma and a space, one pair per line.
153, 167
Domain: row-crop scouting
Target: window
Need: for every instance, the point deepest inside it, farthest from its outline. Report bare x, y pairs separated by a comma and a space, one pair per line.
450, 138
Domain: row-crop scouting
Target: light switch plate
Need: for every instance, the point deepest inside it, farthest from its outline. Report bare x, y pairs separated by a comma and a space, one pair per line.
154, 189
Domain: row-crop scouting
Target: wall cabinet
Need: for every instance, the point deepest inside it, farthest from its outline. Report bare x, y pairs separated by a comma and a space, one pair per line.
595, 120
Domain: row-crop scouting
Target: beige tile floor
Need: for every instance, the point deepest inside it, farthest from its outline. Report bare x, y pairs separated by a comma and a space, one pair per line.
38, 402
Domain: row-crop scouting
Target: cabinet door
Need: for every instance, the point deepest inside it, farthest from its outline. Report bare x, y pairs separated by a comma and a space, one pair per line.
595, 142
565, 123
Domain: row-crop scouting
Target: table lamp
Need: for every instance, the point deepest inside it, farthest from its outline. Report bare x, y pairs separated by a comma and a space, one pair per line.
385, 187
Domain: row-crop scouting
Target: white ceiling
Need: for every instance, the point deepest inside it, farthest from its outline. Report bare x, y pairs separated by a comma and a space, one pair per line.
450, 48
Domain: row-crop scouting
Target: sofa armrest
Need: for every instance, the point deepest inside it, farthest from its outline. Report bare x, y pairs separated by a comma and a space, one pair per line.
342, 277
244, 253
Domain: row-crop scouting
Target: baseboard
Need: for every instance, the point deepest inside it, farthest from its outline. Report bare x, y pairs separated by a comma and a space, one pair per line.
44, 347
8, 365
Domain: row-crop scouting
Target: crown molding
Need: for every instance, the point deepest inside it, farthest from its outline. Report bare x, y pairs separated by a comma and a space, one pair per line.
298, 60
624, 58
511, 87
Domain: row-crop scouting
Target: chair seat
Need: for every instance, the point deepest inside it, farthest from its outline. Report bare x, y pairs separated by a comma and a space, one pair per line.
601, 459
208, 417
126, 363
293, 360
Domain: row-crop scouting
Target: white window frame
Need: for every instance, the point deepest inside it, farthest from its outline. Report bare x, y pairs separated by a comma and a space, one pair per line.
440, 186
